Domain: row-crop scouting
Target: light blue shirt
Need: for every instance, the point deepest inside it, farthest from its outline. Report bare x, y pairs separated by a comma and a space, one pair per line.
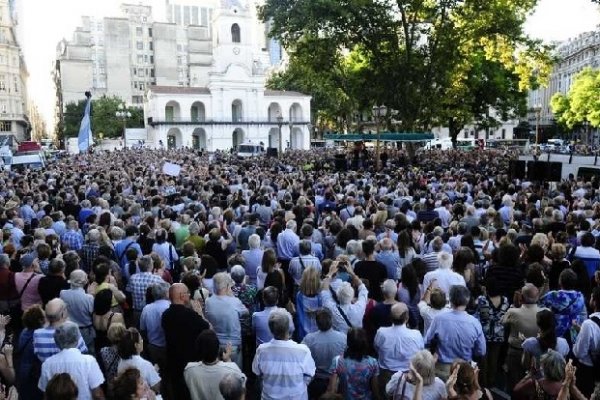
260, 325
296, 267
253, 260
150, 322
460, 336
287, 245
324, 347
224, 312
391, 260
396, 345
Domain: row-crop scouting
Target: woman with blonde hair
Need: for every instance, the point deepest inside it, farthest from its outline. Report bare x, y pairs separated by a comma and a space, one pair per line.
308, 302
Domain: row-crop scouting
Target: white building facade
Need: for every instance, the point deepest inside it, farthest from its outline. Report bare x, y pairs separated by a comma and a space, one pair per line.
234, 106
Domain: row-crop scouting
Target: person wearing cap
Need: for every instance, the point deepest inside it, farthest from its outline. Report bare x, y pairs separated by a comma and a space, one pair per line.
80, 306
396, 344
27, 281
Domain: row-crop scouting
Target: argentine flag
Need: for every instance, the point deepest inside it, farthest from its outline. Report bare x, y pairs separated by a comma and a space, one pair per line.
85, 129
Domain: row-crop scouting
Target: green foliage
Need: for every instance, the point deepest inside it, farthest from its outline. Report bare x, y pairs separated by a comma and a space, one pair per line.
104, 122
434, 62
582, 103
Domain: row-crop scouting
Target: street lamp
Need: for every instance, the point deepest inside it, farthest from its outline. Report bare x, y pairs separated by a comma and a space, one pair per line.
379, 113
123, 115
586, 131
538, 111
280, 124
291, 124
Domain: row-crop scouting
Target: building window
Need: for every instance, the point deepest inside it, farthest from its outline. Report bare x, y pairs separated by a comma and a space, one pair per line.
16, 84
194, 15
152, 59
150, 46
2, 83
140, 45
235, 33
152, 72
135, 72
150, 32
186, 15
5, 126
178, 15
139, 31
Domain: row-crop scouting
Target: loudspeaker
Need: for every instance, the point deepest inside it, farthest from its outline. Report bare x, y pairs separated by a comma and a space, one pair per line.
340, 162
271, 151
516, 169
554, 172
536, 170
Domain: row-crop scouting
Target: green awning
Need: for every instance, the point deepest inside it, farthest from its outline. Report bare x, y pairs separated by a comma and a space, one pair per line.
385, 136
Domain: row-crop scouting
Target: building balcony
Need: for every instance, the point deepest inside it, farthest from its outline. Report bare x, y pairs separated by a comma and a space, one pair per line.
206, 122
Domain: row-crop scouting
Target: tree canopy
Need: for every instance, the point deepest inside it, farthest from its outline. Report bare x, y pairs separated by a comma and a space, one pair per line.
581, 103
443, 62
104, 122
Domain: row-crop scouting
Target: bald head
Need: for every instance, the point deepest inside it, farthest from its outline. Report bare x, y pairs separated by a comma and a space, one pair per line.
386, 244
399, 314
530, 294
56, 311
179, 294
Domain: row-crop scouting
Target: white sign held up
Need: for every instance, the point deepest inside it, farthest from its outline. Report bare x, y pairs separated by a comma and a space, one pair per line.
171, 169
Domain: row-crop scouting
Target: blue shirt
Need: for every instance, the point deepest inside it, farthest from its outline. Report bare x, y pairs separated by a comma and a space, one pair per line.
122, 247
150, 322
260, 325
460, 336
324, 346
287, 245
391, 260
253, 260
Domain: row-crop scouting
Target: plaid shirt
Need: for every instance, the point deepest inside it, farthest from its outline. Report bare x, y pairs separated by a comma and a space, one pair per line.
88, 254
73, 239
137, 286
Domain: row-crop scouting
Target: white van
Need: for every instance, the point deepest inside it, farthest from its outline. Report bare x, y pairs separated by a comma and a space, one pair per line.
247, 150
34, 161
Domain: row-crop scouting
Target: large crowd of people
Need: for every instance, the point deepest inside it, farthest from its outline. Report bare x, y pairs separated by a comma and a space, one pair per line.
436, 277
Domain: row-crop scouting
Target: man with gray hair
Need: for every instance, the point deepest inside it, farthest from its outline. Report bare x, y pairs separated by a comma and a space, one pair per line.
282, 357
224, 311
443, 277
389, 257
303, 261
456, 334
80, 306
253, 257
44, 345
522, 323
139, 283
82, 368
91, 248
151, 326
233, 387
396, 344
346, 314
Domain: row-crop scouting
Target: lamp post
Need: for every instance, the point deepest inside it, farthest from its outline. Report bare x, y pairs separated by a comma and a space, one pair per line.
123, 115
291, 124
586, 132
379, 113
280, 124
538, 111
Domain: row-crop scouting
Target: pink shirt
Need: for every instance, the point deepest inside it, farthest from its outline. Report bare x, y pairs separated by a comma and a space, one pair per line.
30, 295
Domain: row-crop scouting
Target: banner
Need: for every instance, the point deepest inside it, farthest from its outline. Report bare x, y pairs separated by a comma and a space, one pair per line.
85, 129
171, 169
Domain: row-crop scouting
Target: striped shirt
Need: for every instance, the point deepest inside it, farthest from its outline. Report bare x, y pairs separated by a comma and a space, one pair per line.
44, 346
285, 367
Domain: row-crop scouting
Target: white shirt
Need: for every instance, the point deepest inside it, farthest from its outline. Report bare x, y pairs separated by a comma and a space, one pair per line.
445, 278
84, 371
587, 340
285, 367
586, 252
147, 370
395, 345
427, 313
354, 311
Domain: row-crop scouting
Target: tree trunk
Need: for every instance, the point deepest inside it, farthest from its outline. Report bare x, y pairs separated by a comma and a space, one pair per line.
454, 129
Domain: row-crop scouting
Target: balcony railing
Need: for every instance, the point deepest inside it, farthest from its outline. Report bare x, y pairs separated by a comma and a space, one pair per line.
238, 121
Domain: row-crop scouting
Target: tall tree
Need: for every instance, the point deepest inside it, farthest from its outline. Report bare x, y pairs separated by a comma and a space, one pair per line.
581, 104
434, 62
104, 122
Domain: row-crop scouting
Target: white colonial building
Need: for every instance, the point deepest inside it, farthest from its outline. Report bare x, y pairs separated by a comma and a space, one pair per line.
233, 106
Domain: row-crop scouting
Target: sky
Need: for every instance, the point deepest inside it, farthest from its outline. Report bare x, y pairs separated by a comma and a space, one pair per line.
43, 23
